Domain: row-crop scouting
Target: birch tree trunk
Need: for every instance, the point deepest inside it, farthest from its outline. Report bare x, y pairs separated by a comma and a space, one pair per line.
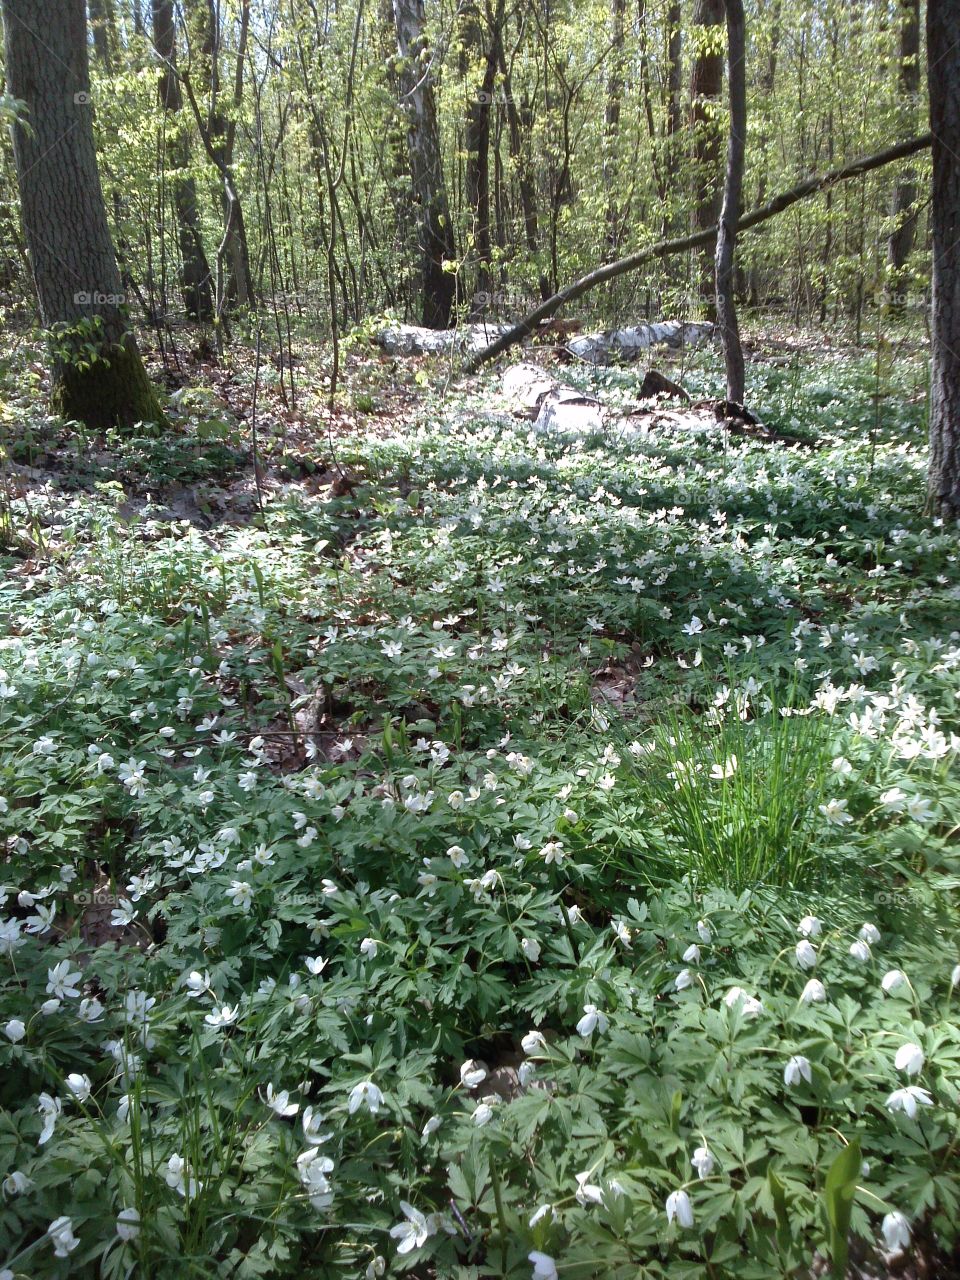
665, 248
943, 78
97, 374
435, 231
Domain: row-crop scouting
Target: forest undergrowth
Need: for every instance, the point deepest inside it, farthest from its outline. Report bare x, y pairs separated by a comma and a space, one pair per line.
458, 850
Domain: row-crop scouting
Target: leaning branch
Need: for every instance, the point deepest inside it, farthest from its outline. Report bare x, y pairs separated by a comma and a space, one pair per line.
664, 248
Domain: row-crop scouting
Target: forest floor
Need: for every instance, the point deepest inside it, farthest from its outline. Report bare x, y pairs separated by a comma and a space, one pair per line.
456, 848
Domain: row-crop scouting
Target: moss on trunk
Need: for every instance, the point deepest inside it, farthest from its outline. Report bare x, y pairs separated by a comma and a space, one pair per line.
113, 391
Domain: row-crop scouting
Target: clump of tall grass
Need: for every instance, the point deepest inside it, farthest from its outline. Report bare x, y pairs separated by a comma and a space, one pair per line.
737, 795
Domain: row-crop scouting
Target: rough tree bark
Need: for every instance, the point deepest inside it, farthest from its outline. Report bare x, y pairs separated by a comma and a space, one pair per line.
943, 80
435, 230
65, 222
902, 211
395, 147
706, 84
732, 202
195, 274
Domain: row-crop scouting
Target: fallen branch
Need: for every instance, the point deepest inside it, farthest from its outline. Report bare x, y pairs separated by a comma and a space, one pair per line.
664, 248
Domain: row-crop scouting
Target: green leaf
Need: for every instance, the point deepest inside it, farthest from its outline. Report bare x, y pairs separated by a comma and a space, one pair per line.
838, 1192
778, 1195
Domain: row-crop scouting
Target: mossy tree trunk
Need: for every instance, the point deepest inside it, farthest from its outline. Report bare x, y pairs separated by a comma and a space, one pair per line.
98, 376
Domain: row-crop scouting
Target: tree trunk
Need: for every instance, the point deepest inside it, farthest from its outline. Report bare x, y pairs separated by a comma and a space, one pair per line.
902, 211
706, 84
103, 26
195, 274
395, 158
219, 138
520, 121
672, 127
611, 126
943, 80
435, 229
98, 376
732, 202
767, 81
674, 66
477, 140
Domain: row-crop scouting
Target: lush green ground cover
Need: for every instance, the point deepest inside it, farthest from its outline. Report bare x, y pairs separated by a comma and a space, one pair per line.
607, 925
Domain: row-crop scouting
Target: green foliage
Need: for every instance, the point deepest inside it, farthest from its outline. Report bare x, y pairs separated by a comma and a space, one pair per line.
597, 179
838, 1192
81, 344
